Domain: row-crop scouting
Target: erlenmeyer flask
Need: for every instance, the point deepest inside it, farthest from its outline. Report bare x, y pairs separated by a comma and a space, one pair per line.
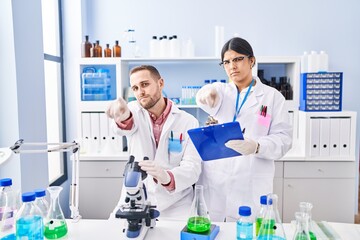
302, 226
199, 220
271, 227
55, 224
306, 207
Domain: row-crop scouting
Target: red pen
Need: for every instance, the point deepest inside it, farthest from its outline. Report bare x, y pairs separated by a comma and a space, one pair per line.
265, 110
181, 137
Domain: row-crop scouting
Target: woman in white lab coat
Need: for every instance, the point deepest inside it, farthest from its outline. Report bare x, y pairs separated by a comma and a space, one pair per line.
173, 159
260, 110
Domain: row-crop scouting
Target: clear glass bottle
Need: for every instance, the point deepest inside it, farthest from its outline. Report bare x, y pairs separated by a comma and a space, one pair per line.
55, 224
8, 205
116, 49
306, 207
244, 225
41, 201
29, 223
271, 227
107, 51
260, 216
199, 220
302, 226
85, 47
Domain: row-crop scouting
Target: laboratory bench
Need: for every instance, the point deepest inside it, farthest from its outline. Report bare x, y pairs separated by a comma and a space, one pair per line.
170, 229
88, 229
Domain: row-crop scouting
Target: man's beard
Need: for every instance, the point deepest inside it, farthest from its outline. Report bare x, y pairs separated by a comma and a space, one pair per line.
151, 103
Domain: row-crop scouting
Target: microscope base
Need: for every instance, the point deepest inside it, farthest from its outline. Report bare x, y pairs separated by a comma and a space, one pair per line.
141, 236
210, 235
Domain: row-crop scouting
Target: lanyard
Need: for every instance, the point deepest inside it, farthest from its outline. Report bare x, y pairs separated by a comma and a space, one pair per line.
237, 108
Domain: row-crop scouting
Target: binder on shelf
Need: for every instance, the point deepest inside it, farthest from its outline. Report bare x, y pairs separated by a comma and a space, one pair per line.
95, 132
210, 140
325, 136
314, 137
345, 125
335, 136
104, 130
85, 131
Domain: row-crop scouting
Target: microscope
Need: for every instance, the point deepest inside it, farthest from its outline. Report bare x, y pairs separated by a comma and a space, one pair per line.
138, 212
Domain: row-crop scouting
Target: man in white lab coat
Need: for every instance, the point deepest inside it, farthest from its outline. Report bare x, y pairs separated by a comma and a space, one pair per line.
157, 129
260, 110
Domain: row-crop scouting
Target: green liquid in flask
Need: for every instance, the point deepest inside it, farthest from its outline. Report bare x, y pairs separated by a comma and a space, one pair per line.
312, 235
57, 231
258, 225
198, 224
268, 227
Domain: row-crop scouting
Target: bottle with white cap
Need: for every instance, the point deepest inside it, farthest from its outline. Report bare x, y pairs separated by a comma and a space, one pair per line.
304, 62
313, 62
323, 62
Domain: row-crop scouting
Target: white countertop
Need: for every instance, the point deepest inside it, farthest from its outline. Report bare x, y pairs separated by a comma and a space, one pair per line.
113, 229
87, 229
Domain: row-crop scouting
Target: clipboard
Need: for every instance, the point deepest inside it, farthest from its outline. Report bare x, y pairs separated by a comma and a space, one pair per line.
210, 141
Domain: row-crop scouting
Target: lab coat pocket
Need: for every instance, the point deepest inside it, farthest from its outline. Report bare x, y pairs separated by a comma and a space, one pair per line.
175, 146
175, 151
262, 124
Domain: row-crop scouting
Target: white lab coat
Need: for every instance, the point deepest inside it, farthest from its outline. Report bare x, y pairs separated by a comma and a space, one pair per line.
233, 182
184, 165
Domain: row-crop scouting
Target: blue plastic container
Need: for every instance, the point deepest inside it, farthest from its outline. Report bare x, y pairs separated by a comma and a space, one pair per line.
321, 91
97, 86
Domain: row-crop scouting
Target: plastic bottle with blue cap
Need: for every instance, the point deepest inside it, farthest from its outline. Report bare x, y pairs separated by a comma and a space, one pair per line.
29, 222
8, 205
41, 201
244, 225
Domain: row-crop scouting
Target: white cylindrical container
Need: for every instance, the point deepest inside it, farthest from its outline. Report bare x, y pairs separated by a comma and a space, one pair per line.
188, 49
219, 40
164, 47
304, 63
323, 62
175, 50
154, 47
313, 62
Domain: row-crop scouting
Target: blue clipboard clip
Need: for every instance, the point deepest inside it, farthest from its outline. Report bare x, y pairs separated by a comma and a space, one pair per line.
210, 141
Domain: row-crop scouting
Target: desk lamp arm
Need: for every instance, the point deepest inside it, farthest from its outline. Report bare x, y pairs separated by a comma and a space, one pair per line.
58, 147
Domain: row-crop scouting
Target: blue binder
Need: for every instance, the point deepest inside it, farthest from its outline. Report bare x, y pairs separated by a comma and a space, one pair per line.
210, 140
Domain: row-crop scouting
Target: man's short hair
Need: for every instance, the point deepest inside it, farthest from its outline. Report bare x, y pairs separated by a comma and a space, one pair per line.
153, 71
